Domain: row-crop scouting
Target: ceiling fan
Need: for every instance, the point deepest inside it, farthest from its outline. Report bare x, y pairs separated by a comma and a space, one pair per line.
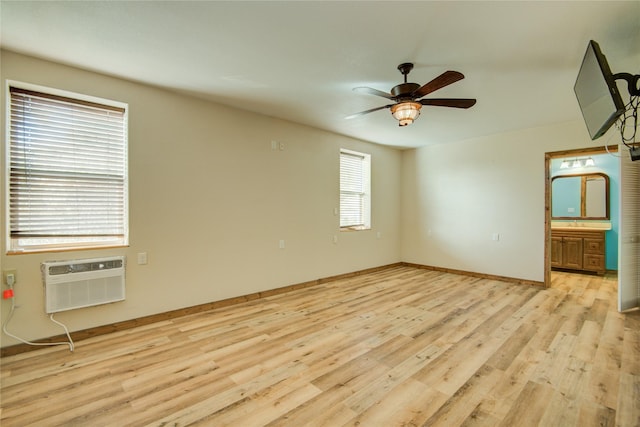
407, 96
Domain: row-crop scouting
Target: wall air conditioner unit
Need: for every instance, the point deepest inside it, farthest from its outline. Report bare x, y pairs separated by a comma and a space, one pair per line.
82, 283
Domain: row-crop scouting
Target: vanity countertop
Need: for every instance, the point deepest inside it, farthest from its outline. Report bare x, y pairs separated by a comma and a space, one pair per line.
581, 226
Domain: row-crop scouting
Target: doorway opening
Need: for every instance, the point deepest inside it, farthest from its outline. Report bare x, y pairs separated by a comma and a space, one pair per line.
581, 163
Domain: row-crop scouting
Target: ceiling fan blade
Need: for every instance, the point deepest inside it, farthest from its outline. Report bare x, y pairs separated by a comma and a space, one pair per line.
362, 113
444, 79
372, 91
449, 102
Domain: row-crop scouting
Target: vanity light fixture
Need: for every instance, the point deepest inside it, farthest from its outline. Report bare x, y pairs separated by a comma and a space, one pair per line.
577, 163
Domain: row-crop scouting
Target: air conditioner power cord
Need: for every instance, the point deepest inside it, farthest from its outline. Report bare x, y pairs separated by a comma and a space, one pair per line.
6, 324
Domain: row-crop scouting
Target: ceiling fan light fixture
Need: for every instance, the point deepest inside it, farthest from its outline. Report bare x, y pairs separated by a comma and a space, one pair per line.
406, 112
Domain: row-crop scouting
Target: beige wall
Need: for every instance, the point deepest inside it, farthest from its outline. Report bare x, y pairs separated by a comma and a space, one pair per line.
210, 199
209, 202
457, 196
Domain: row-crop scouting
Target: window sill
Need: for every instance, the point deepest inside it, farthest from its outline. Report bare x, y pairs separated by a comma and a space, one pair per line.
63, 249
355, 228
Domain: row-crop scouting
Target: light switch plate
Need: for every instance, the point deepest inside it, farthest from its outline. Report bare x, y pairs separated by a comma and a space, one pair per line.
142, 258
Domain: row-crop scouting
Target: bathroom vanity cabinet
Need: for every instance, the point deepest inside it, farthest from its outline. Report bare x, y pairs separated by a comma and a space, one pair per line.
582, 250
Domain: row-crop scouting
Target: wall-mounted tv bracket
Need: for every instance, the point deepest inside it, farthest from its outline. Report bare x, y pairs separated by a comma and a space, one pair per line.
632, 82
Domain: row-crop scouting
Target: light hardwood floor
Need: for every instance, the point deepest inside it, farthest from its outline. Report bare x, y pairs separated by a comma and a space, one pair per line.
402, 346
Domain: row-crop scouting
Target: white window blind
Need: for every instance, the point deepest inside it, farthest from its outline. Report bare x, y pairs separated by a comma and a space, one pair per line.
355, 190
67, 172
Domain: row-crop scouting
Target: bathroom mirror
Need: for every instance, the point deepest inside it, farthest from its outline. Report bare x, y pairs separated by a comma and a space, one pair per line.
580, 196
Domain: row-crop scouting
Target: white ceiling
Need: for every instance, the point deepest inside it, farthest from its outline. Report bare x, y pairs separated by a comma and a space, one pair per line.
300, 60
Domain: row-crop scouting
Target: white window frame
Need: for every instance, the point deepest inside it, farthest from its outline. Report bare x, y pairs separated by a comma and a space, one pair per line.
54, 242
355, 215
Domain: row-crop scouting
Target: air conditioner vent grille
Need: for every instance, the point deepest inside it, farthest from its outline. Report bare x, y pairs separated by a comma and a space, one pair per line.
83, 267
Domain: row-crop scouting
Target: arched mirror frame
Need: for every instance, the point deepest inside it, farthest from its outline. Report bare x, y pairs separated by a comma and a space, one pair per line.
583, 191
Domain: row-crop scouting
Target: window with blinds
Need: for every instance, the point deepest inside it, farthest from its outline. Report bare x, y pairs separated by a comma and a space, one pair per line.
67, 174
355, 190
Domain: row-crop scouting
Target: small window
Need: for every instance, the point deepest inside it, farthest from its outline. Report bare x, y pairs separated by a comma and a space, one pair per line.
355, 190
67, 171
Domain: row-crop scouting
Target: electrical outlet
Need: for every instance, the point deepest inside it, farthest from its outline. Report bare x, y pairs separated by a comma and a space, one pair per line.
6, 273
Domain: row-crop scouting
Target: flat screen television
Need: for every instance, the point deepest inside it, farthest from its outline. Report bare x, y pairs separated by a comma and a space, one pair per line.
597, 93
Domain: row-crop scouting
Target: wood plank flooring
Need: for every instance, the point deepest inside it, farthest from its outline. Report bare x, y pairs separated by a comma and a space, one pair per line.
399, 347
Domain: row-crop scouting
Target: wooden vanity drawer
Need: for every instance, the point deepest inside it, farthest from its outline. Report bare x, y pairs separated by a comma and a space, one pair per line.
593, 246
593, 262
